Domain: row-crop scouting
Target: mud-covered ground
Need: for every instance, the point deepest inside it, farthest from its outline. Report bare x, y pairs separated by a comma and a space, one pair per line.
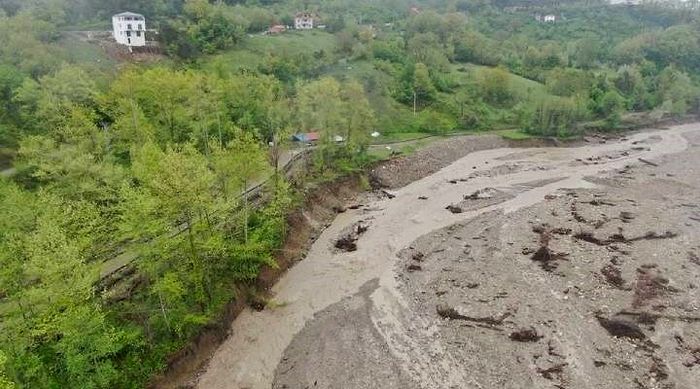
534, 268
594, 288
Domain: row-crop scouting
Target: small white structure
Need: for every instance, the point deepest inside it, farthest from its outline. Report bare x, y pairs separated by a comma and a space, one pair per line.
304, 21
129, 29
550, 18
626, 2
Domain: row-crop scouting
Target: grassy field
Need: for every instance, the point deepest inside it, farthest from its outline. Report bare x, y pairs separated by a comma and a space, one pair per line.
255, 48
87, 54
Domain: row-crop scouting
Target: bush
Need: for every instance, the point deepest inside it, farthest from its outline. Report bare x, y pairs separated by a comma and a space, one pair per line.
552, 116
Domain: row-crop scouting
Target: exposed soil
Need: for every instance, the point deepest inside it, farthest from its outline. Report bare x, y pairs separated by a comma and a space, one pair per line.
571, 275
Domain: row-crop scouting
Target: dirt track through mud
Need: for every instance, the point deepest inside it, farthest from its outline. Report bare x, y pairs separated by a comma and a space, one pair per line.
279, 347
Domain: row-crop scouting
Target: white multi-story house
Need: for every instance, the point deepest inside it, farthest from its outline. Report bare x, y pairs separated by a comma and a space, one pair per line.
304, 21
129, 29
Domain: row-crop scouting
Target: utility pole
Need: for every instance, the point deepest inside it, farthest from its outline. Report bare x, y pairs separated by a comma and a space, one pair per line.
414, 102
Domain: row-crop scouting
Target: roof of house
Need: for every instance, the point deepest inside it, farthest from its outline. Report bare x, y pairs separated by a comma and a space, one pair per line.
307, 137
277, 28
304, 15
128, 14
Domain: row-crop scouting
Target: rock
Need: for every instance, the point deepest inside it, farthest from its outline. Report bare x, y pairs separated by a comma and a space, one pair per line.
620, 327
454, 209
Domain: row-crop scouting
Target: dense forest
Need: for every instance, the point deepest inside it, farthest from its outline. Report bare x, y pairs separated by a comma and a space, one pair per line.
109, 159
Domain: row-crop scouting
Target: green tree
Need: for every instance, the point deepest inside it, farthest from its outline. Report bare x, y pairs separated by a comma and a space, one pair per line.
424, 92
5, 382
176, 192
320, 107
495, 86
611, 107
54, 332
359, 116
237, 165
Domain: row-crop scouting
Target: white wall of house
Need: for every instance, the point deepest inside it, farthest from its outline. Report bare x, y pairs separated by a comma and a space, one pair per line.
129, 29
304, 22
550, 18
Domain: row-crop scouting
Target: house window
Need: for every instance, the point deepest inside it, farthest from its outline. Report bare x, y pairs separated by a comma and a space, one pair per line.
140, 26
128, 33
138, 34
128, 27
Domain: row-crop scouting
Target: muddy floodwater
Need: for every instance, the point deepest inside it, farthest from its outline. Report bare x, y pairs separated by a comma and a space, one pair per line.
510, 268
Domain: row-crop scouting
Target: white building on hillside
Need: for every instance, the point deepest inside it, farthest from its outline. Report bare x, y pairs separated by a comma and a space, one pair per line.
550, 18
129, 29
304, 21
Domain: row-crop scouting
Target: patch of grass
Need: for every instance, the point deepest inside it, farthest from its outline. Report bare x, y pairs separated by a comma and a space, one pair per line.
514, 134
520, 86
392, 137
86, 54
273, 304
253, 50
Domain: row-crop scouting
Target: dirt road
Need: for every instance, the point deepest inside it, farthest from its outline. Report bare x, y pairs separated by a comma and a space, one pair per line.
543, 255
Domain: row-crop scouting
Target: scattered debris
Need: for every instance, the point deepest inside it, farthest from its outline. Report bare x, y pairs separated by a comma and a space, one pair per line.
648, 162
413, 267
694, 258
528, 251
546, 257
422, 198
525, 335
598, 203
658, 369
550, 373
621, 328
613, 276
649, 286
482, 194
348, 242
626, 216
388, 194
587, 236
456, 209
448, 312
561, 231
